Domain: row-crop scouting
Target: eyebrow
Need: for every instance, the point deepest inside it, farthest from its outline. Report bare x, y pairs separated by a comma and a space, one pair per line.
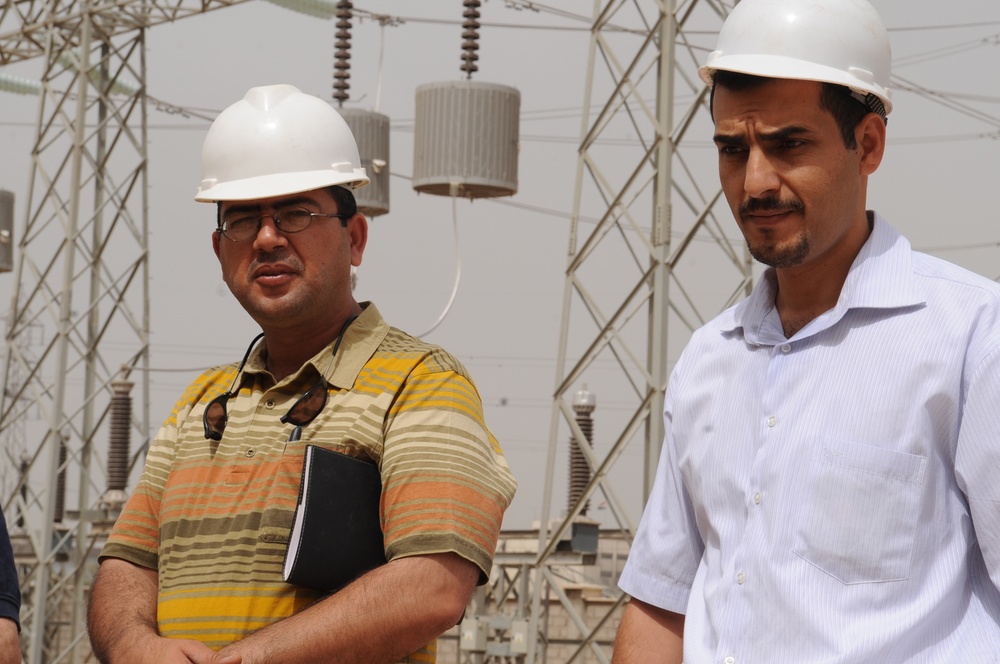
775, 136
254, 207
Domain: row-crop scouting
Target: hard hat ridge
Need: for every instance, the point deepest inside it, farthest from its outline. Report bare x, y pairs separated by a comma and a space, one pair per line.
277, 141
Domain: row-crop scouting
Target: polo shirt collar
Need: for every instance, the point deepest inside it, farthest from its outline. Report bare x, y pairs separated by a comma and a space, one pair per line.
359, 342
361, 339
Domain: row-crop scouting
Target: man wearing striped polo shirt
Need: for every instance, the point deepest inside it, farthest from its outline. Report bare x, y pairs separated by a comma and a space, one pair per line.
192, 572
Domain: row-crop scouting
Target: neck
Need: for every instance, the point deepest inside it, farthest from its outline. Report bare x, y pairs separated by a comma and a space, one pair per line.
288, 350
807, 291
801, 297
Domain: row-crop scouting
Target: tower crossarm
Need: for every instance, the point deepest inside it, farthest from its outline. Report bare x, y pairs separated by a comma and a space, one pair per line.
24, 24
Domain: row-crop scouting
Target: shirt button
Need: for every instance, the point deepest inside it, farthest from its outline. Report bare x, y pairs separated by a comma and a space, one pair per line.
250, 452
772, 421
740, 578
757, 497
730, 660
786, 348
269, 404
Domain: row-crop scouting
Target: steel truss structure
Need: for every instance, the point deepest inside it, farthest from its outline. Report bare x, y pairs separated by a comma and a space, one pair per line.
655, 266
82, 279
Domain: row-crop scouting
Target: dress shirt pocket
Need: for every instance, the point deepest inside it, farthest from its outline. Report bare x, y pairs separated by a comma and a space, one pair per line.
859, 514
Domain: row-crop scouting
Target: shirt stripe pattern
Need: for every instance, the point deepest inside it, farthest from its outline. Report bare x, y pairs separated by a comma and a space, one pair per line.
213, 518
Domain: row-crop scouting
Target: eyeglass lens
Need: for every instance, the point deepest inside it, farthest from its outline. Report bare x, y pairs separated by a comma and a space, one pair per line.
216, 414
308, 406
216, 417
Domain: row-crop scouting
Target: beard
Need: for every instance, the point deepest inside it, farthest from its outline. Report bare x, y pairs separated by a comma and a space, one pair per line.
780, 255
769, 250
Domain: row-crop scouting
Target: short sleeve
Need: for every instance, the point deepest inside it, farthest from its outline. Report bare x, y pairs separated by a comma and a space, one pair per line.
446, 483
667, 549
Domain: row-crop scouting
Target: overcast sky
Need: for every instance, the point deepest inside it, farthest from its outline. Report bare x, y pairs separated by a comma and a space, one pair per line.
937, 183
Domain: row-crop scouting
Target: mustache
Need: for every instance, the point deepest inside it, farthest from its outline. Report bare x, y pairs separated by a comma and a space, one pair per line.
771, 204
282, 257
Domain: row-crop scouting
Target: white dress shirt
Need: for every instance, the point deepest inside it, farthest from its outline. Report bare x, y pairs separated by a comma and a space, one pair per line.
835, 496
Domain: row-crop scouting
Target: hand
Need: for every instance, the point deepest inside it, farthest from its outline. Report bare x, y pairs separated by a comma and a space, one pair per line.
199, 653
160, 650
121, 621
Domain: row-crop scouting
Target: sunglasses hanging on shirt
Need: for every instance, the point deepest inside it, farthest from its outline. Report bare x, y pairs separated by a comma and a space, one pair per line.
303, 411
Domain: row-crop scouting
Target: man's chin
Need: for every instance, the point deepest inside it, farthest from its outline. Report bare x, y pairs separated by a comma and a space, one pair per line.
778, 256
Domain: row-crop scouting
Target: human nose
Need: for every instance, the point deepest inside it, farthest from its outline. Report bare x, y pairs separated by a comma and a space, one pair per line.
761, 176
268, 235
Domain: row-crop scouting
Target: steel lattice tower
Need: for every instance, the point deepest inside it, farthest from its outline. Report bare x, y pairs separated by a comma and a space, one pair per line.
82, 276
658, 225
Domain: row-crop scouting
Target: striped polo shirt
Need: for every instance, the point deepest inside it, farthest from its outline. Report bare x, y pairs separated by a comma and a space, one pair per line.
213, 517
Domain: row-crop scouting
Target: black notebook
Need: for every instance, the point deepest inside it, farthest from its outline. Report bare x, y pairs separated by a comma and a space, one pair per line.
336, 535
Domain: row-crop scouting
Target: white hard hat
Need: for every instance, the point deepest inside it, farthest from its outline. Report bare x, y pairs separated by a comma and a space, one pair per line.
277, 141
832, 41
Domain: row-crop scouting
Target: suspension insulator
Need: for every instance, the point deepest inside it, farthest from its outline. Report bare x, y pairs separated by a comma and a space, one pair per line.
342, 55
470, 37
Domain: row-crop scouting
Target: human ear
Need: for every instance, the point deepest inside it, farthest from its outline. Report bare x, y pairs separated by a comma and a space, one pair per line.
357, 228
870, 134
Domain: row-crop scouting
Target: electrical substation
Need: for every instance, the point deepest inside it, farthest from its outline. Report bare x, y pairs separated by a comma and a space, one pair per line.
648, 223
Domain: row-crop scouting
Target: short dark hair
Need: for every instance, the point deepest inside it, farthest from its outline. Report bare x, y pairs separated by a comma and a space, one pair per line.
343, 197
346, 203
847, 111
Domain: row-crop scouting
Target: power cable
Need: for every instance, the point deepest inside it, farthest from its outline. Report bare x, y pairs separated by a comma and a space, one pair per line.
458, 271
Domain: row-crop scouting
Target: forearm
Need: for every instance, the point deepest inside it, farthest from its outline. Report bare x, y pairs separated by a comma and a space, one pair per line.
649, 634
384, 616
121, 620
10, 645
122, 609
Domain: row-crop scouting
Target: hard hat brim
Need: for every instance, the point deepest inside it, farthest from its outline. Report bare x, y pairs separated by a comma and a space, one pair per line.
278, 184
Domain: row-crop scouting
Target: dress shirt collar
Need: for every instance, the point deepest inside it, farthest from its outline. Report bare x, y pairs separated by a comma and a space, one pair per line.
881, 277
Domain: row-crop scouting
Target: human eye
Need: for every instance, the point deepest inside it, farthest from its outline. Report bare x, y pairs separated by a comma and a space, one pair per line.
730, 149
790, 143
294, 219
240, 224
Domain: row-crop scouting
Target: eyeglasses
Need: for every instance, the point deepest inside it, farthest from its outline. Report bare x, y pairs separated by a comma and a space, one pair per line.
303, 411
242, 227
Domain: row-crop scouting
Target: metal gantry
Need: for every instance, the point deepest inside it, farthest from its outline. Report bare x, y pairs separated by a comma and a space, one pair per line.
654, 267
79, 319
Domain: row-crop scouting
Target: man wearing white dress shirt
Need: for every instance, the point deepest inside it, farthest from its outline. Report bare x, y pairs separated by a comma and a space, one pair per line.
827, 490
